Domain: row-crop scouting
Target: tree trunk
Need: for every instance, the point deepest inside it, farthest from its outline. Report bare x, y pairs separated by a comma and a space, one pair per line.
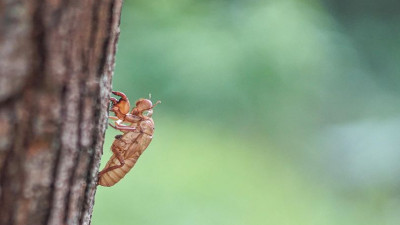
56, 65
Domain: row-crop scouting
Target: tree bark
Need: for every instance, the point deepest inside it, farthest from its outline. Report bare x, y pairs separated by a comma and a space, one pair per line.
56, 65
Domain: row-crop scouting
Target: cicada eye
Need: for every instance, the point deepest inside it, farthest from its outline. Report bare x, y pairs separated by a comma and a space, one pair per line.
147, 113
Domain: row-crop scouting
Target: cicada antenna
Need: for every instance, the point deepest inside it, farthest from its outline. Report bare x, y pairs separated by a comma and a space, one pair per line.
158, 102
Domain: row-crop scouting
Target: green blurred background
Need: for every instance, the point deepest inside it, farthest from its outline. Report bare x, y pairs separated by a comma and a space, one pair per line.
273, 112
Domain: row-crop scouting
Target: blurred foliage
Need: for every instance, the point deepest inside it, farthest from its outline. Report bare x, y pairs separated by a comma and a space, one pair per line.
274, 112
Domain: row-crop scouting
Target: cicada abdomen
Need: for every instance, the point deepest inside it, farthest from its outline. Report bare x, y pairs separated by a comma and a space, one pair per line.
111, 177
127, 149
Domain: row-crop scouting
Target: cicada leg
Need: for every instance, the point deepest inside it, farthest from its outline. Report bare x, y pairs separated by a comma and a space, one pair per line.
114, 100
120, 94
132, 118
122, 128
113, 118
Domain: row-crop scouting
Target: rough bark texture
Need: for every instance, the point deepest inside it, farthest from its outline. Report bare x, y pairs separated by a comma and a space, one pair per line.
56, 64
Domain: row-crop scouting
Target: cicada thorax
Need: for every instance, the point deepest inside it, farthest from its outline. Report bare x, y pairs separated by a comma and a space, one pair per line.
129, 146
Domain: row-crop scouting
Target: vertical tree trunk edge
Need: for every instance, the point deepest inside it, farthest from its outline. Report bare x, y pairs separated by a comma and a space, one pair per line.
56, 64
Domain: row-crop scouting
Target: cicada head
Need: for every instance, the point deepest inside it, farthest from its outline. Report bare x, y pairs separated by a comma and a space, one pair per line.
144, 107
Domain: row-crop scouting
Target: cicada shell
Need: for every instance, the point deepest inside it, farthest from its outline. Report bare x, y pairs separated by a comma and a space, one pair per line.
136, 137
130, 147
